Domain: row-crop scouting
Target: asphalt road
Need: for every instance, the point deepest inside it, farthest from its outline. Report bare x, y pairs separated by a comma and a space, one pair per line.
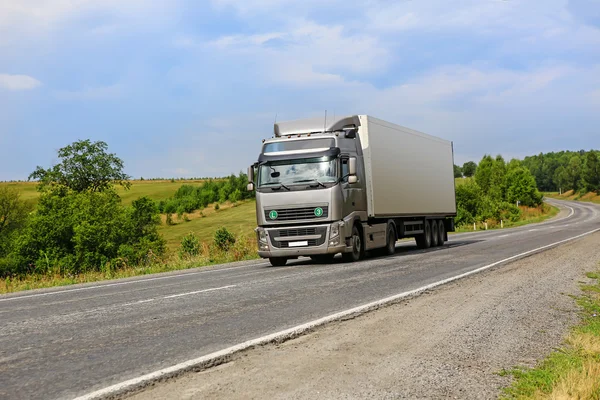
66, 342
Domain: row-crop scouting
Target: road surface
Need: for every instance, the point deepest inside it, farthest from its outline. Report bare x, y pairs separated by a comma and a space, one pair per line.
66, 342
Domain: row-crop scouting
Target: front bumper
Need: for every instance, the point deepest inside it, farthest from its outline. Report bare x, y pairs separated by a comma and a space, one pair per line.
318, 240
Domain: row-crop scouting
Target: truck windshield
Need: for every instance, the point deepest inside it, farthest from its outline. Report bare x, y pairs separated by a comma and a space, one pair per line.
293, 172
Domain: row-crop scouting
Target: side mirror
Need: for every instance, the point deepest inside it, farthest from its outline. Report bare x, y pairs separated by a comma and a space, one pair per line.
251, 174
352, 166
250, 187
352, 179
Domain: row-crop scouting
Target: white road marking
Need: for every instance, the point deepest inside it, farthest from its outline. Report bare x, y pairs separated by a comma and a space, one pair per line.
503, 236
199, 291
296, 331
533, 230
137, 302
128, 282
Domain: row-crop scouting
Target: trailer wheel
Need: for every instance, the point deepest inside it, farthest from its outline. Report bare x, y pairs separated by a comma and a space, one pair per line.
424, 239
434, 233
278, 261
441, 233
357, 247
390, 248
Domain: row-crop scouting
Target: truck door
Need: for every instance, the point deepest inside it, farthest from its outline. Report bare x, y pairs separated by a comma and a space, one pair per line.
352, 192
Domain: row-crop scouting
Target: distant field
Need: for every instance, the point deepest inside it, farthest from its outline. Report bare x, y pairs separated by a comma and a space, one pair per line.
591, 197
156, 190
240, 220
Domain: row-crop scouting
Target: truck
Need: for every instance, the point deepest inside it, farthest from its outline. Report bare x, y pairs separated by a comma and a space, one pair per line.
351, 185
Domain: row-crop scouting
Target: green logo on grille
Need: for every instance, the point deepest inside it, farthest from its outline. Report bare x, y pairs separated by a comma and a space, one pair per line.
273, 214
318, 211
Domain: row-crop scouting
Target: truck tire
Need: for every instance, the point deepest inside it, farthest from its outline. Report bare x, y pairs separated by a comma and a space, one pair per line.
357, 247
441, 233
323, 258
434, 233
390, 248
278, 261
424, 239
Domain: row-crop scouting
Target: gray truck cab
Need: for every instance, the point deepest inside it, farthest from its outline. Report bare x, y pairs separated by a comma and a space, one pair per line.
309, 187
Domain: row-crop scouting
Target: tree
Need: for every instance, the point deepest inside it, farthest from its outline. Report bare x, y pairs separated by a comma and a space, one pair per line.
498, 179
522, 188
469, 169
591, 172
13, 215
574, 173
483, 175
84, 166
457, 171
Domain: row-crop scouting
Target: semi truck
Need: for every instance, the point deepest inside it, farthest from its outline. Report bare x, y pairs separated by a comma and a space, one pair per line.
350, 185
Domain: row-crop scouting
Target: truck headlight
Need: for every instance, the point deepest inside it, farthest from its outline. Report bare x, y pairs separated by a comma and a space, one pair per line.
262, 235
334, 233
262, 239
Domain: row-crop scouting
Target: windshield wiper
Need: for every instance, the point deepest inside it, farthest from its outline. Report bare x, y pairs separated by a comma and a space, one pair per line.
311, 180
277, 183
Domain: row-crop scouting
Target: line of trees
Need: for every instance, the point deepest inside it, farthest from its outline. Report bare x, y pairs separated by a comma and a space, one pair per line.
190, 198
494, 192
566, 170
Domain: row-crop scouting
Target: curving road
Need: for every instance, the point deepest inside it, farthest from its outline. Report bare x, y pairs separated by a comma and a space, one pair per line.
66, 342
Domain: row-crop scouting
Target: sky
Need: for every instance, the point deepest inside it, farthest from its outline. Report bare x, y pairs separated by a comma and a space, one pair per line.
182, 88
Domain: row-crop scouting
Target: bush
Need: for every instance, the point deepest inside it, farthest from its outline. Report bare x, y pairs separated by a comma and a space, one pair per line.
217, 207
190, 246
224, 239
77, 232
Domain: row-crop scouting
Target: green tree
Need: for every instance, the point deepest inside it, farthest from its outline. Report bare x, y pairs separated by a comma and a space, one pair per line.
468, 199
591, 172
83, 166
469, 169
574, 170
498, 180
483, 175
522, 188
13, 216
457, 171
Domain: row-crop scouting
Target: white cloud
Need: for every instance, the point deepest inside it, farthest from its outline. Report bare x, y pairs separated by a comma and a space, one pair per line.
18, 82
22, 18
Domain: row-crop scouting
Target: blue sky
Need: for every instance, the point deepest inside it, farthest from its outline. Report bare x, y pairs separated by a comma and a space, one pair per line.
189, 88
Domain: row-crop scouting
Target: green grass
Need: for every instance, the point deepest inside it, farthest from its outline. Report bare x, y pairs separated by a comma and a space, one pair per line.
573, 371
156, 190
240, 220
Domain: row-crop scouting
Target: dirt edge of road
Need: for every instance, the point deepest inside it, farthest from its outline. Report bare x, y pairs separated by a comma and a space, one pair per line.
541, 279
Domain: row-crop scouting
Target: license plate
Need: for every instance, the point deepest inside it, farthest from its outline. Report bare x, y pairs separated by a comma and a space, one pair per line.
298, 244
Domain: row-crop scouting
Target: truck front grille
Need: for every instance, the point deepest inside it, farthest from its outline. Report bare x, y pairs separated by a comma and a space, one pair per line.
293, 235
297, 232
303, 213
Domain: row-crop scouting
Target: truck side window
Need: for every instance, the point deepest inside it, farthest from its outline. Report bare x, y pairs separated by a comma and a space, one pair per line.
345, 169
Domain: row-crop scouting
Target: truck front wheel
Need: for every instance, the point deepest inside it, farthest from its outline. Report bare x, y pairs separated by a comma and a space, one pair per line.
357, 247
278, 261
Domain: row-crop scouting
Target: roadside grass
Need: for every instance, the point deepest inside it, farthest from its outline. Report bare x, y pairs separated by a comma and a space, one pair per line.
572, 371
243, 249
570, 195
529, 215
